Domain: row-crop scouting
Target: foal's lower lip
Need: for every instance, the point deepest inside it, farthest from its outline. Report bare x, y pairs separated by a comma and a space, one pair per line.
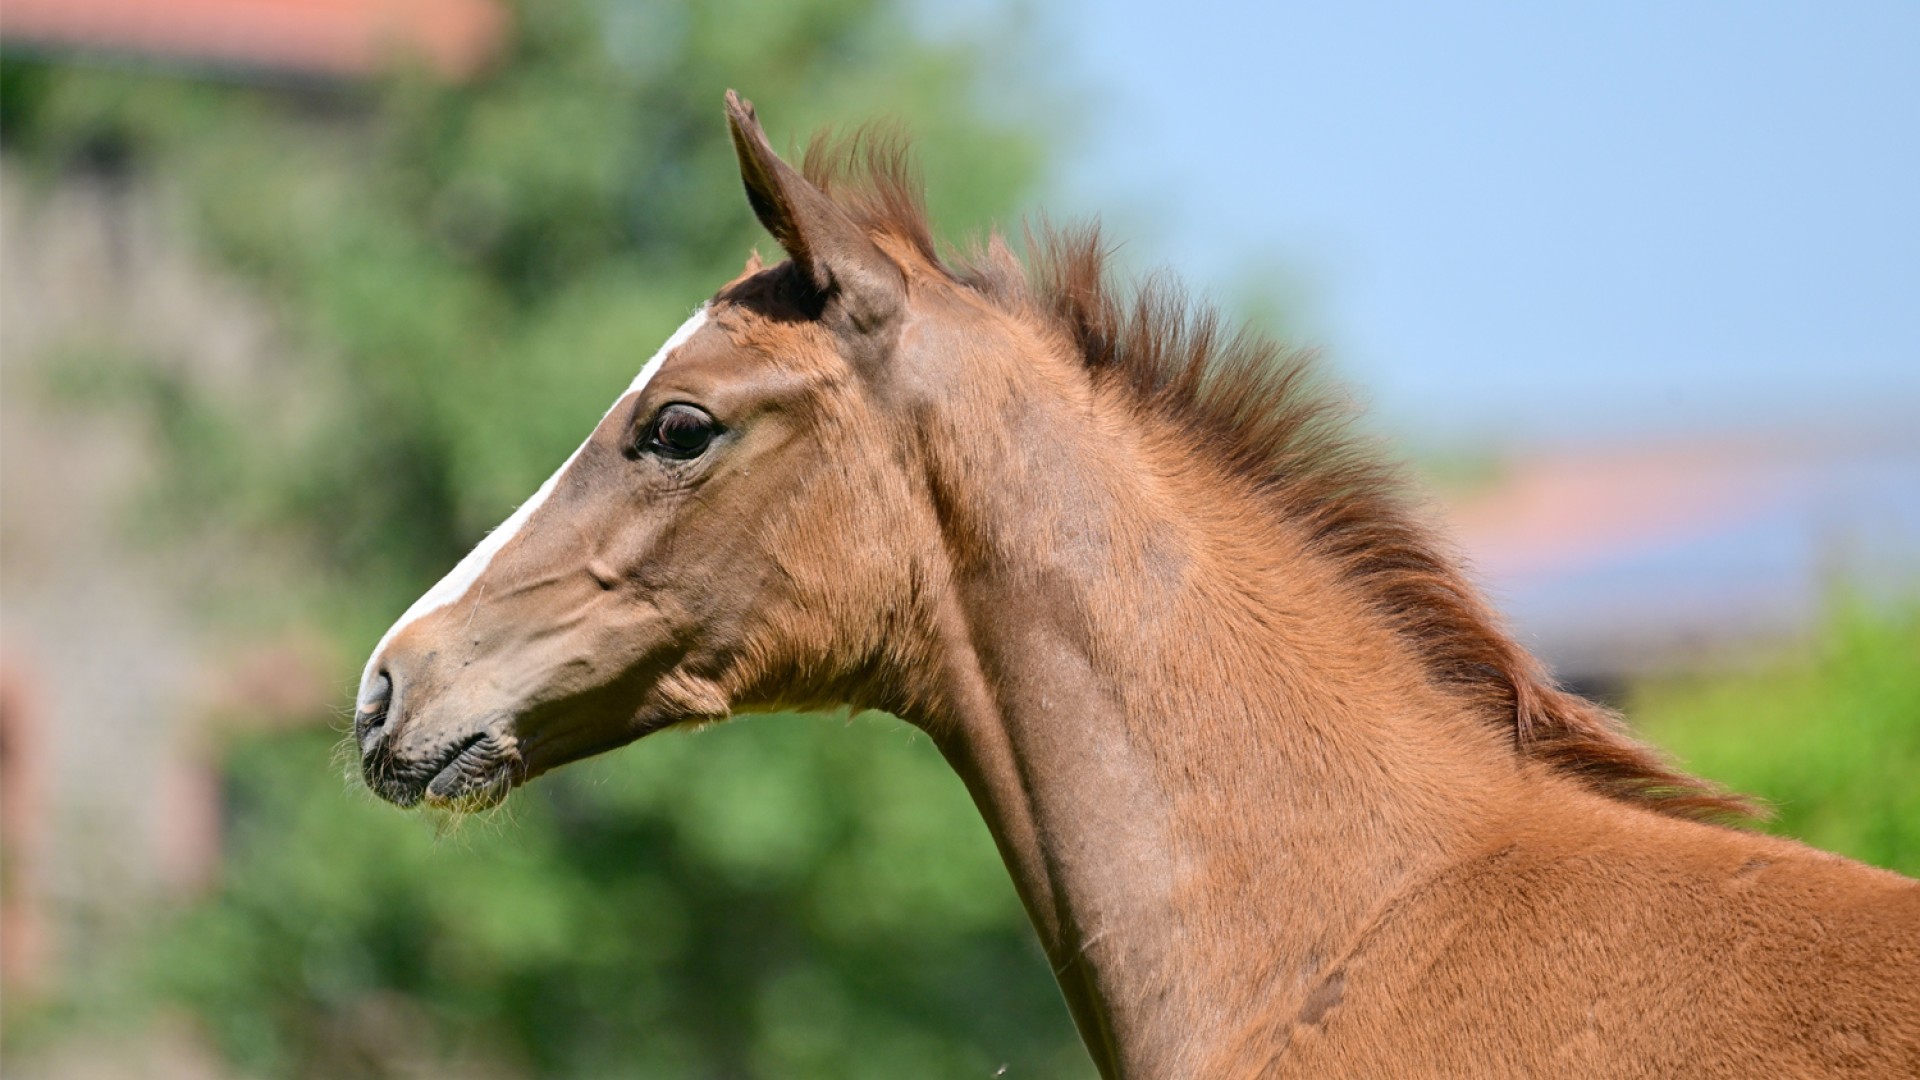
451, 782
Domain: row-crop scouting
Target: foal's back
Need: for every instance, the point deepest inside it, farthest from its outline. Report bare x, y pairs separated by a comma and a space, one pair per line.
1606, 940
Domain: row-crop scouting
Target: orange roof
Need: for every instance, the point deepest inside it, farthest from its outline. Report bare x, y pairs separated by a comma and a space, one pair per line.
339, 38
1613, 561
1556, 510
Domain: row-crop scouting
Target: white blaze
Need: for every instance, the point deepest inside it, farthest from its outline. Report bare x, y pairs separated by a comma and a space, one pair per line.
461, 578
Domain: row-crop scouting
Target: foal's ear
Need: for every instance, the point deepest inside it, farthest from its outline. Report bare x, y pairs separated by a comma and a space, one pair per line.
852, 274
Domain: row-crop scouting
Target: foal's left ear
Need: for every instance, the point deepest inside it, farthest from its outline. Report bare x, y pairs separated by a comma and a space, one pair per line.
857, 280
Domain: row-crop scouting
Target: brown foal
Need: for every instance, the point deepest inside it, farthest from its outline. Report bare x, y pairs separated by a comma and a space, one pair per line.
1280, 795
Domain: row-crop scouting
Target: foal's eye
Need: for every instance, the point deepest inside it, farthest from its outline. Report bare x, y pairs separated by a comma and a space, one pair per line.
682, 431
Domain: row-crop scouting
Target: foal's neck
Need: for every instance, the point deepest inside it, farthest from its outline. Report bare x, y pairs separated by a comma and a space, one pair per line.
1204, 763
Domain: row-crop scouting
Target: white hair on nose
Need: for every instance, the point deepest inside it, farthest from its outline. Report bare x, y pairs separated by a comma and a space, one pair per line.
451, 588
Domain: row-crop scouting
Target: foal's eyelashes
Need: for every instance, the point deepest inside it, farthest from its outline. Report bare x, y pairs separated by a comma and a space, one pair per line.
680, 430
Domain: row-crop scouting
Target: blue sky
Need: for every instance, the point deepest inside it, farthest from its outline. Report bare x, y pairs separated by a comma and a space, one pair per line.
1530, 221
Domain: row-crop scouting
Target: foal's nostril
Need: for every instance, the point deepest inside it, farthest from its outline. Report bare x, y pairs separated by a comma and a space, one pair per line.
370, 716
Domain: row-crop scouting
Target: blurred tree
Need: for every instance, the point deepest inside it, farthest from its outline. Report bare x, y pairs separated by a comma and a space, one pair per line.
473, 272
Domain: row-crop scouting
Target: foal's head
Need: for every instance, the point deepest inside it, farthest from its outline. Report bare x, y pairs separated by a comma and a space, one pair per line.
739, 532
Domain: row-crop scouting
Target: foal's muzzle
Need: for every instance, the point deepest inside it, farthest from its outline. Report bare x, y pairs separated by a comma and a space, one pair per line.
406, 759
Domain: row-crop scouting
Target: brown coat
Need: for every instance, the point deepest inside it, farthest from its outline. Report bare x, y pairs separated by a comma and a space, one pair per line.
1280, 794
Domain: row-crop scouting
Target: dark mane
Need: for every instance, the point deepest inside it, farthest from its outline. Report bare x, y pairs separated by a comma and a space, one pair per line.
1269, 419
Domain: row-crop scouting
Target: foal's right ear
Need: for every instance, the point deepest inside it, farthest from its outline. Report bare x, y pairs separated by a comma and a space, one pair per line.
857, 280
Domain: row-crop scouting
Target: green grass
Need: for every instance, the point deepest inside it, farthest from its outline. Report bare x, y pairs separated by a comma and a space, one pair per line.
1831, 741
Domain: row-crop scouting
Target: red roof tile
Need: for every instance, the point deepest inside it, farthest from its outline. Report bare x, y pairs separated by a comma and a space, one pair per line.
339, 38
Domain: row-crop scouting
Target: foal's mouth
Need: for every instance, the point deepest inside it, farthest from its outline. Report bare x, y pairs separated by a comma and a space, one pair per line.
474, 773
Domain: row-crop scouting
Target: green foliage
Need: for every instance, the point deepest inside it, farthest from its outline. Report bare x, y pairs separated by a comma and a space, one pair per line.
771, 897
1832, 743
472, 273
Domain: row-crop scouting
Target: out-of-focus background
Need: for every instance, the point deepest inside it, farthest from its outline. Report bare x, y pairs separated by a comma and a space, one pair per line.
298, 297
